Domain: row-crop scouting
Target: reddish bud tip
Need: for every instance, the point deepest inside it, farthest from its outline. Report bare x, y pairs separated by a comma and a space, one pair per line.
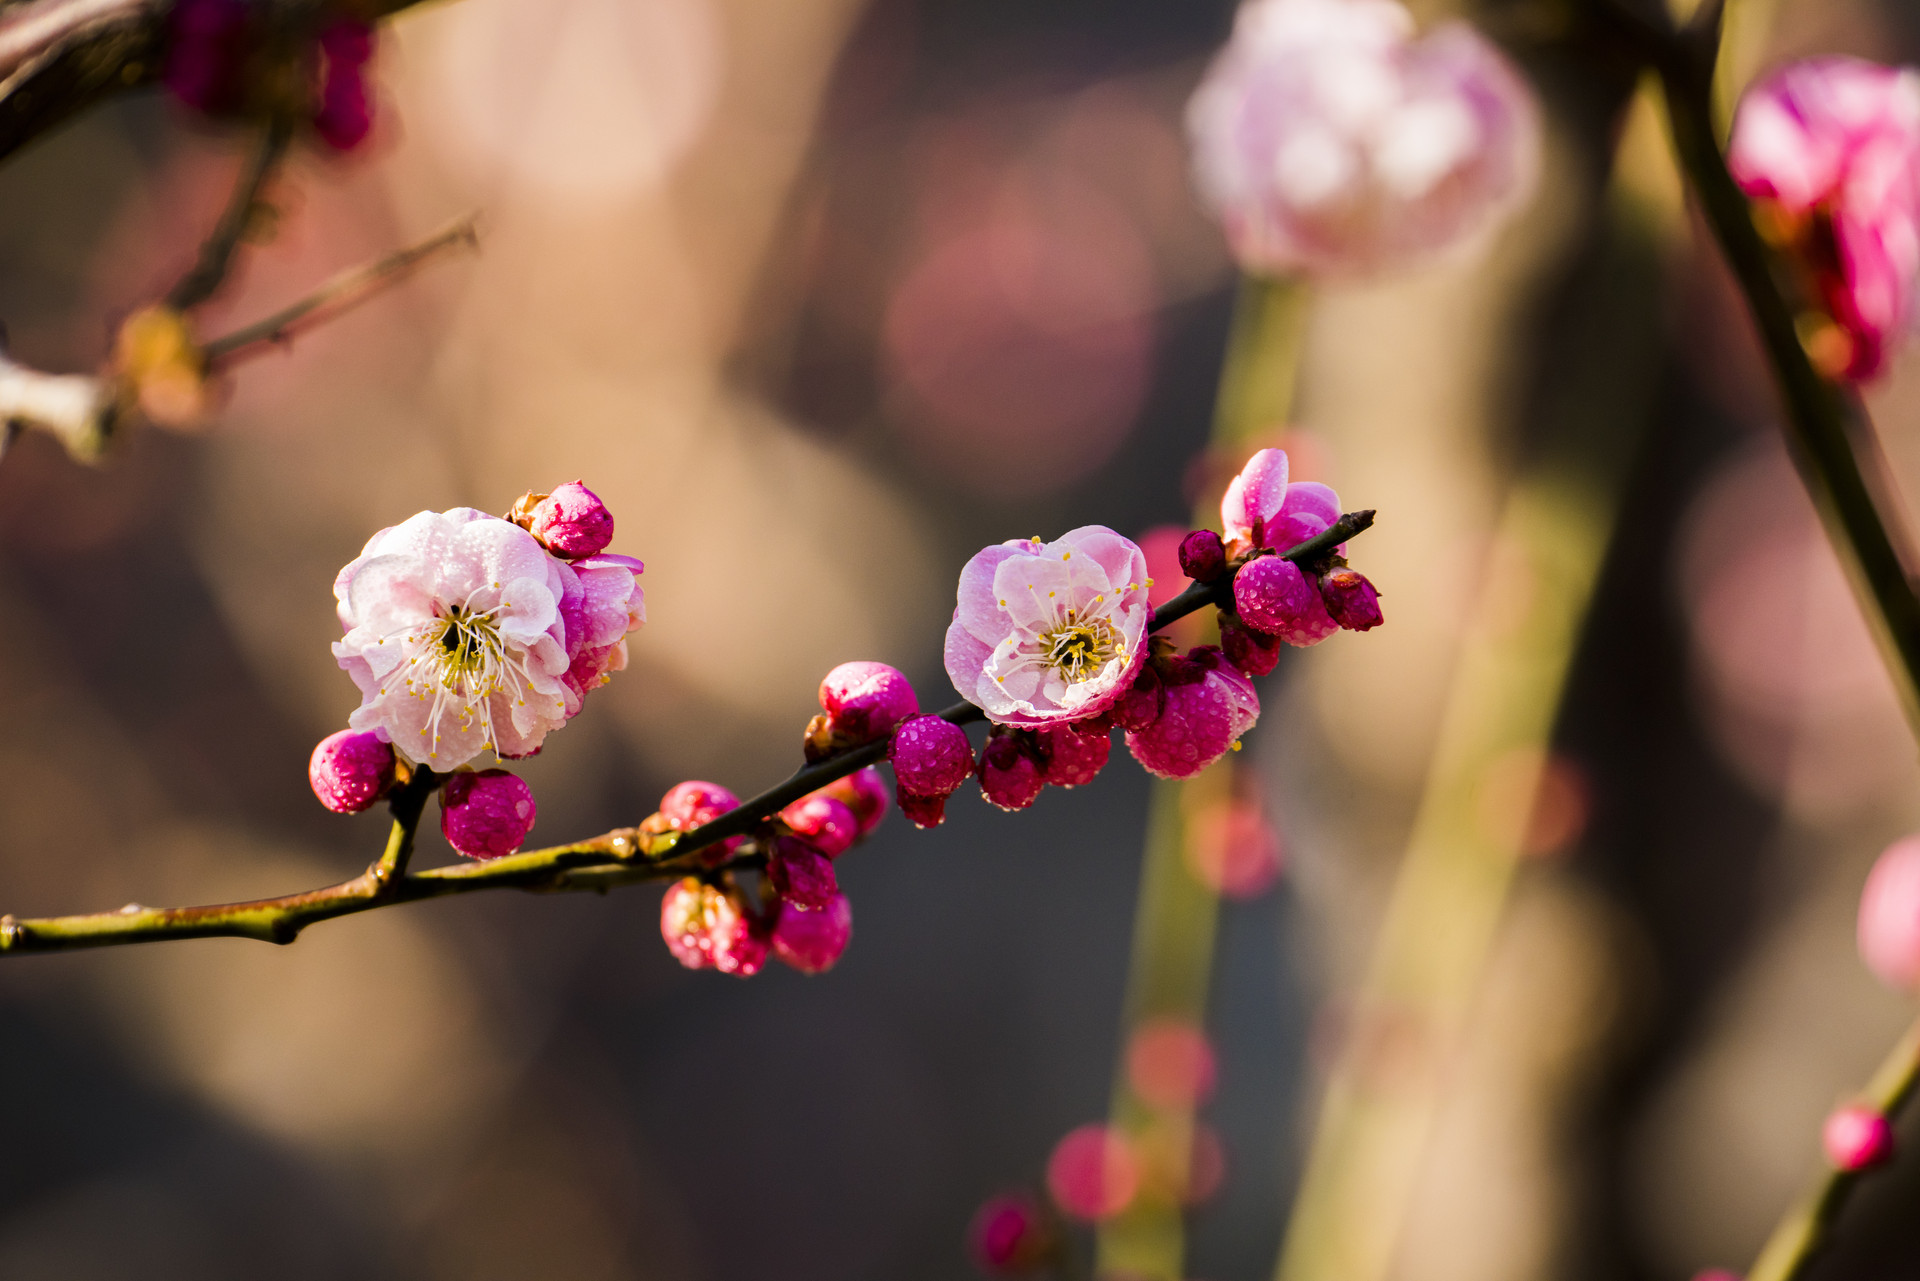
812, 942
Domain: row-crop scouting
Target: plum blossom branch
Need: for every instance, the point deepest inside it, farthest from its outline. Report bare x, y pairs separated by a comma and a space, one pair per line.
342, 293
598, 863
1808, 1225
1827, 427
216, 254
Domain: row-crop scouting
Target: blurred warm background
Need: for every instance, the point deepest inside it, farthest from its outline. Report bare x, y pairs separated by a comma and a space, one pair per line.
821, 296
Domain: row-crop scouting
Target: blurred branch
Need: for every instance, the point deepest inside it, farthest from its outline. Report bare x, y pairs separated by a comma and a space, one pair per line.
59, 57
216, 255
1799, 1236
1827, 428
342, 293
1830, 434
598, 863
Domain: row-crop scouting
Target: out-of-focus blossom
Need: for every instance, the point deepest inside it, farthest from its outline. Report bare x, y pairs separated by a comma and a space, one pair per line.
464, 635
1831, 147
1012, 1234
1049, 632
206, 46
1233, 849
706, 928
1093, 1173
1330, 140
690, 805
486, 814
1273, 596
1856, 1137
825, 822
1889, 925
351, 770
1170, 1064
931, 758
812, 941
344, 114
1210, 704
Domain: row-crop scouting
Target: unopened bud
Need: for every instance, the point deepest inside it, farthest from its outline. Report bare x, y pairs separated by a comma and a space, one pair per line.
1857, 1137
351, 770
1010, 777
1203, 557
572, 522
812, 941
486, 814
1351, 600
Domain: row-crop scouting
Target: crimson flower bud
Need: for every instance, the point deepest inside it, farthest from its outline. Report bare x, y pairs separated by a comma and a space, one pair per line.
1857, 1137
865, 793
351, 770
827, 824
1010, 777
1140, 706
812, 942
486, 814
1253, 652
1203, 557
801, 874
1351, 600
1012, 1234
572, 522
931, 759
864, 701
1073, 758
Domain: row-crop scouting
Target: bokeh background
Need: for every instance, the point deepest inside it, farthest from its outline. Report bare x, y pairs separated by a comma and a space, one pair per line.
822, 296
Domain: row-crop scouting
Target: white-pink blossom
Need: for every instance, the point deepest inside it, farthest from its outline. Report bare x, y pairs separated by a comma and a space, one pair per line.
465, 635
1332, 141
1261, 508
1050, 632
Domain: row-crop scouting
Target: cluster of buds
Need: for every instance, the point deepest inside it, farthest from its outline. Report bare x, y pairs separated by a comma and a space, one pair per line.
796, 911
232, 58
469, 633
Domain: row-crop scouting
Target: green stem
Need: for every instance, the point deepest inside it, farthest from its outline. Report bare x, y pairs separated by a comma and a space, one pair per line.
1828, 430
599, 863
1809, 1224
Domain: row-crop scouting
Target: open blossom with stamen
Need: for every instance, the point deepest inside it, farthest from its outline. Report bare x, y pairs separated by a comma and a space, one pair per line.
465, 636
1329, 139
1050, 632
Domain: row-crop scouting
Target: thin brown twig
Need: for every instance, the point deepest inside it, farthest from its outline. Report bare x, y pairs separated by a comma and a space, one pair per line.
340, 294
216, 253
599, 863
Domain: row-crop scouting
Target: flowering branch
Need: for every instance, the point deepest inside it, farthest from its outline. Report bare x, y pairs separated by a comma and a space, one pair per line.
342, 293
598, 863
1807, 1226
216, 254
1825, 421
1828, 430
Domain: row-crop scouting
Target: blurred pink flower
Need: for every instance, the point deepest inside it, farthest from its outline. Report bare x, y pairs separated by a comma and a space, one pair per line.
1856, 1137
1833, 145
1331, 141
705, 928
1050, 632
1889, 925
465, 636
1093, 1173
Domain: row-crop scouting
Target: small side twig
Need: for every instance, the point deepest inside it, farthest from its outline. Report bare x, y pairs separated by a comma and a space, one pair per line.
216, 254
340, 294
598, 863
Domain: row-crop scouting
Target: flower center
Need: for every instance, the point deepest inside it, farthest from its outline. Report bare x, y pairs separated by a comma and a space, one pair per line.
1077, 650
458, 661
